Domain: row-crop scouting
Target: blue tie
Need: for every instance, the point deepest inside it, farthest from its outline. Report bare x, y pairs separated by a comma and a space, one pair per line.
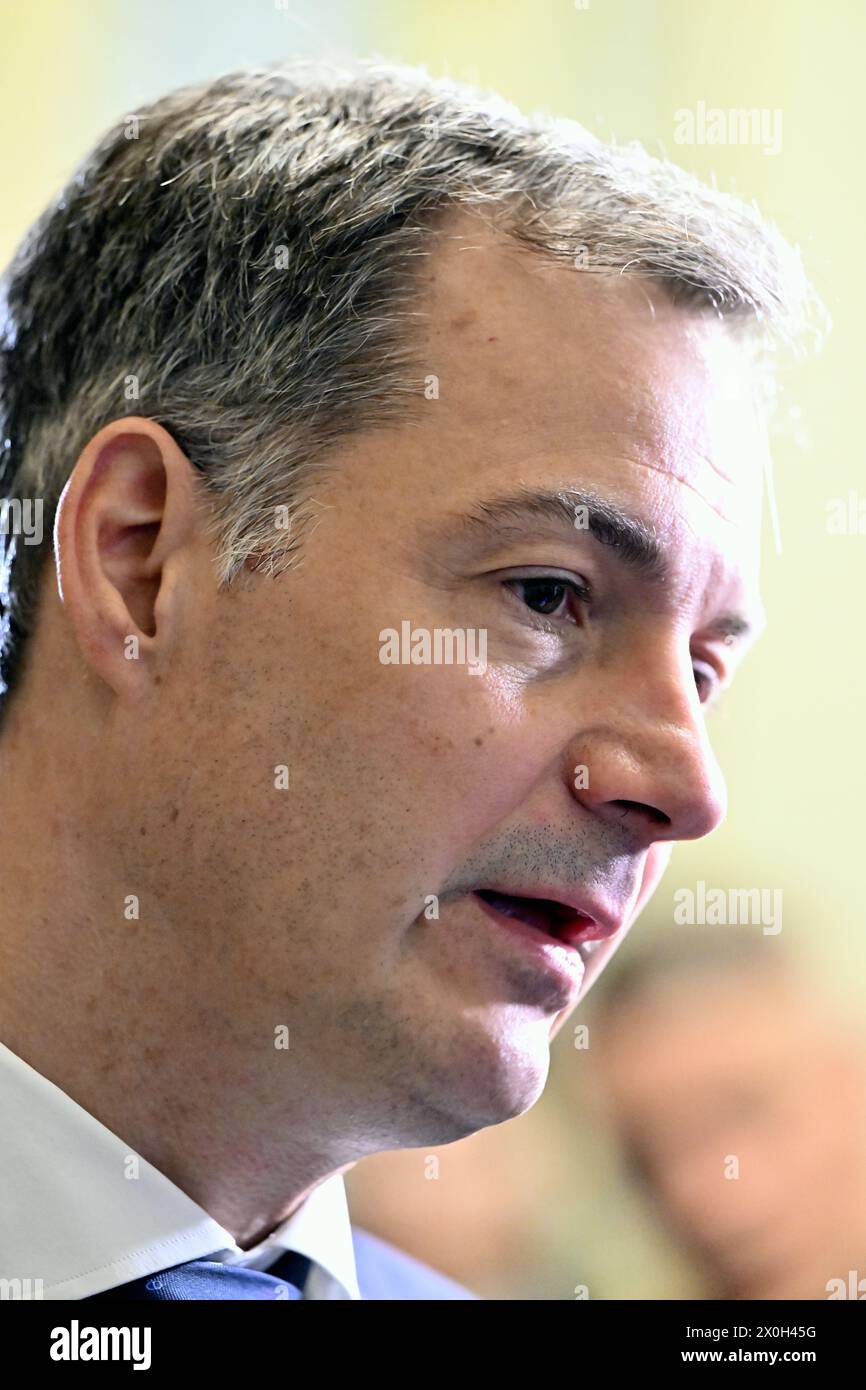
209, 1279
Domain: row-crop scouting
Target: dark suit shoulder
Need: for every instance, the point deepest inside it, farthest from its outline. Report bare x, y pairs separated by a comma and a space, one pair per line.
384, 1272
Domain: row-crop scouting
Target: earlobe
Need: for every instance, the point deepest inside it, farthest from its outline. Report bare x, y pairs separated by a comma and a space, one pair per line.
125, 515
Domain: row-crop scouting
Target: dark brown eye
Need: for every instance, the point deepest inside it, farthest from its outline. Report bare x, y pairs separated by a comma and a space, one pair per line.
706, 681
548, 595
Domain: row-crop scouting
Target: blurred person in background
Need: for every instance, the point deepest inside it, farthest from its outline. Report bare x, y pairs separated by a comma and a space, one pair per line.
740, 1098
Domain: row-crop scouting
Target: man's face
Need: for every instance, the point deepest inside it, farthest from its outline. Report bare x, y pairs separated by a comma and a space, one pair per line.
410, 786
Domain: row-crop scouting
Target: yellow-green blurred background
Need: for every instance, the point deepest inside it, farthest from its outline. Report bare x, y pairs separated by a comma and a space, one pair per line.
791, 735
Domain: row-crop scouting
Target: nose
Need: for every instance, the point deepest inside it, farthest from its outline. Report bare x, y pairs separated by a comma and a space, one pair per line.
649, 766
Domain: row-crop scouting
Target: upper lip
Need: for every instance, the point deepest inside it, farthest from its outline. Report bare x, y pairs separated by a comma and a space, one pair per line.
607, 916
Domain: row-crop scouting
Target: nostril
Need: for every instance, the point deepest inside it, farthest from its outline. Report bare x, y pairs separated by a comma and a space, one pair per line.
651, 813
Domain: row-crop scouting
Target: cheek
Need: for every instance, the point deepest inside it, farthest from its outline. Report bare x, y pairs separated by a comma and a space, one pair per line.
490, 751
459, 753
439, 763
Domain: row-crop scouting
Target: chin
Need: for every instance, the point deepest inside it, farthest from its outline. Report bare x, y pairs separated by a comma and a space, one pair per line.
502, 1078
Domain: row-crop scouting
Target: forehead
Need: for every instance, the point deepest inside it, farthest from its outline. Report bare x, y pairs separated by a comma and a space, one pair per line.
550, 373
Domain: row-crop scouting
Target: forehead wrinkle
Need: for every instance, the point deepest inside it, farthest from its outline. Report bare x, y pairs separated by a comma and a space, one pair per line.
677, 477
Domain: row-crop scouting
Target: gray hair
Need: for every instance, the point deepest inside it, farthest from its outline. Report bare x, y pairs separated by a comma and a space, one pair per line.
236, 262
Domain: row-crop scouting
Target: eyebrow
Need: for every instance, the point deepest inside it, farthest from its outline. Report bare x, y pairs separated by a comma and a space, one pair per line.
635, 544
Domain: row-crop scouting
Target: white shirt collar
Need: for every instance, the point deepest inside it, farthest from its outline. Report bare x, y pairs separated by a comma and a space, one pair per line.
81, 1212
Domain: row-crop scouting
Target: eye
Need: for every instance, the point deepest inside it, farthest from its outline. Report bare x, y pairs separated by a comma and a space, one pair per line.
551, 596
706, 680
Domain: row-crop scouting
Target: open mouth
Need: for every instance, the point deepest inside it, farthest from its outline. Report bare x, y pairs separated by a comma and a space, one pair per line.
556, 919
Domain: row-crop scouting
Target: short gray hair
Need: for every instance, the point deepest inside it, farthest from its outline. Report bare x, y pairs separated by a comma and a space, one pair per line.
236, 262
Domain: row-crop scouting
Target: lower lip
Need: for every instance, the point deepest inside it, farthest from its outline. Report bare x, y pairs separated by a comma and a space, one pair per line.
565, 960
